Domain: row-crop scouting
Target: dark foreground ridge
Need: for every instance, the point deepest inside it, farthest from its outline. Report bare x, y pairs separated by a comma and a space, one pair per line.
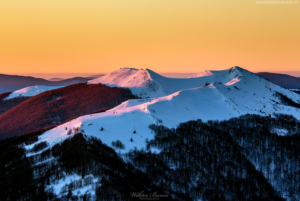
239, 159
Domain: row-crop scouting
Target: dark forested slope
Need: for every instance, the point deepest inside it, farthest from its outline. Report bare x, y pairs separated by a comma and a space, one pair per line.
238, 159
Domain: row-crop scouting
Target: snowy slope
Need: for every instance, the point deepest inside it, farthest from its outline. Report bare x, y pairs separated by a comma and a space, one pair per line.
218, 95
120, 122
250, 93
31, 91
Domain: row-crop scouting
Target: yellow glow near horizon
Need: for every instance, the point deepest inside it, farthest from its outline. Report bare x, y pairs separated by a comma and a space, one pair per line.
64, 36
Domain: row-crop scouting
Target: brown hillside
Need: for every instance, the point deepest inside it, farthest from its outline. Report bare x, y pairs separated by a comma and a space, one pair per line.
60, 105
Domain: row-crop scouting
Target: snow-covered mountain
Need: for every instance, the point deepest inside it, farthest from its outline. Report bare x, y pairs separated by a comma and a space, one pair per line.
217, 95
31, 91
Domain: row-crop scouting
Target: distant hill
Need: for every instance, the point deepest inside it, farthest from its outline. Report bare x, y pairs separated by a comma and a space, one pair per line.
56, 79
24, 114
283, 80
94, 76
10, 83
10, 98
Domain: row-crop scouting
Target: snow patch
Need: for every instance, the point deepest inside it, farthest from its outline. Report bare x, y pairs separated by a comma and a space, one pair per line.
233, 81
280, 132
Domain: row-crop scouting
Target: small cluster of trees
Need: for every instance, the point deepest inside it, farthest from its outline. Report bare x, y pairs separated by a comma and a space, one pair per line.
39, 146
73, 130
118, 144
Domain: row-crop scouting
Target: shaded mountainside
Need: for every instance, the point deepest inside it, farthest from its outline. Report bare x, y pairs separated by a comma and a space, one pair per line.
9, 83
59, 105
238, 159
283, 80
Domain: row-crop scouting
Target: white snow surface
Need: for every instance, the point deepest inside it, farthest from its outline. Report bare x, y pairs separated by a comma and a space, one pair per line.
229, 93
31, 91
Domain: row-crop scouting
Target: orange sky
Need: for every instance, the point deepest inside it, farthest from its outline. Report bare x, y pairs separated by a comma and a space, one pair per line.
99, 36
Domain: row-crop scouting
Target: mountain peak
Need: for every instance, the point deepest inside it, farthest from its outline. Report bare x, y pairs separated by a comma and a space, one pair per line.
146, 83
138, 80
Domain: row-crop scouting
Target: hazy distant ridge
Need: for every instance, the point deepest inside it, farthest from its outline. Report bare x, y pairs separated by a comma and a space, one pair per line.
283, 80
9, 83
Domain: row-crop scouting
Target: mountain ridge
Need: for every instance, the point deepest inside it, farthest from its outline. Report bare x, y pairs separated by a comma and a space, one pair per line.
10, 83
146, 83
240, 93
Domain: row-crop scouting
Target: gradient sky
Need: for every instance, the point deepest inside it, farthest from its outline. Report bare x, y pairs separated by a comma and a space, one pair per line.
99, 36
